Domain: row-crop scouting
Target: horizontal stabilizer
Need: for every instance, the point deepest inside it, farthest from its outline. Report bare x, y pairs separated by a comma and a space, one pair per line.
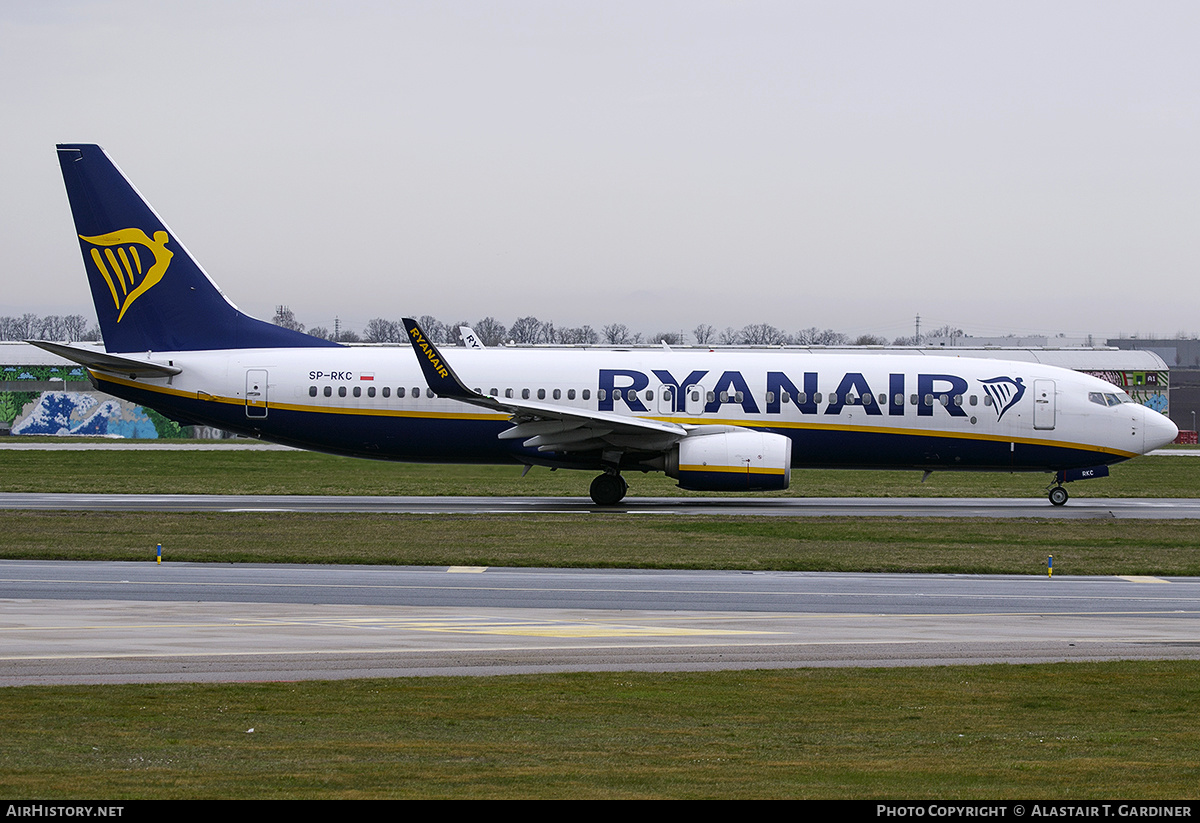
101, 361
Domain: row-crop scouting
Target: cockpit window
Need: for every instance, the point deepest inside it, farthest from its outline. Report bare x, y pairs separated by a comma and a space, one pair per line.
1109, 399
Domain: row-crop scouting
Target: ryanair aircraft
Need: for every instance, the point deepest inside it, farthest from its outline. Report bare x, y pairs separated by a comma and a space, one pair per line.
733, 420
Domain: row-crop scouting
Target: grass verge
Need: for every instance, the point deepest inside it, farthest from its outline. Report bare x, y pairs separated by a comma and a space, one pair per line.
1076, 731
612, 541
287, 472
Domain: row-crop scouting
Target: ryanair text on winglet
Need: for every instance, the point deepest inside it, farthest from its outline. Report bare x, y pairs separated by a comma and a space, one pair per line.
430, 353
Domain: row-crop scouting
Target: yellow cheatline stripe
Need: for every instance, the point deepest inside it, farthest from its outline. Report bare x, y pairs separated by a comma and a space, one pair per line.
736, 469
751, 424
236, 401
843, 427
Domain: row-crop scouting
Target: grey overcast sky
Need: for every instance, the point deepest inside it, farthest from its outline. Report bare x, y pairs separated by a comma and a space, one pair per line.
1007, 166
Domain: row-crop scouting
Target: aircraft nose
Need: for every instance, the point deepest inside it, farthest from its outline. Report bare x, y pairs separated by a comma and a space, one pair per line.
1159, 430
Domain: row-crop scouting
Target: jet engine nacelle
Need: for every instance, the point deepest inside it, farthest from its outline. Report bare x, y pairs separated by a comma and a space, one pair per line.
736, 460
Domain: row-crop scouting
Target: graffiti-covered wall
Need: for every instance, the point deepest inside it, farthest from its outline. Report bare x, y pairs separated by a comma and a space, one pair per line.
73, 409
1146, 387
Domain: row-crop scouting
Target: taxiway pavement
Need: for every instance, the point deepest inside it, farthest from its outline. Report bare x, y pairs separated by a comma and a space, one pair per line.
105, 622
1080, 508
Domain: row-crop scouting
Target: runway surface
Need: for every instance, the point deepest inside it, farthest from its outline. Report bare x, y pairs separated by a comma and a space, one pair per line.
1080, 508
91, 622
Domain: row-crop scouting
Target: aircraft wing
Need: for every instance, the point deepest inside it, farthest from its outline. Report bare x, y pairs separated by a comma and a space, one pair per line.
102, 361
546, 426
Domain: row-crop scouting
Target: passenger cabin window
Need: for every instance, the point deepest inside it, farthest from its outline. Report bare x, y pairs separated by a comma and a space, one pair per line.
312, 391
570, 394
400, 392
416, 392
328, 391
587, 394
387, 391
358, 391
341, 391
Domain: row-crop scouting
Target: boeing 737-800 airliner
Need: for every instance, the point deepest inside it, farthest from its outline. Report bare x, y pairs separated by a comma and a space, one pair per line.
723, 420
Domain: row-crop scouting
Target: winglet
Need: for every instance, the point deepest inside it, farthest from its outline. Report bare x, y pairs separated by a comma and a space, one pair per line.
441, 378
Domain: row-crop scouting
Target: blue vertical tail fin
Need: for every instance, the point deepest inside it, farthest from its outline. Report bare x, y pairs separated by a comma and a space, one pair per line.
150, 294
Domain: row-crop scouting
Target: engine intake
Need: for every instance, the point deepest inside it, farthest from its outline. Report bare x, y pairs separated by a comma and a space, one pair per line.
739, 460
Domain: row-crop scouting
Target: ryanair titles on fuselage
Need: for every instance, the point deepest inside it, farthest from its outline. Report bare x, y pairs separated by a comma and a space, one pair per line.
624, 388
853, 389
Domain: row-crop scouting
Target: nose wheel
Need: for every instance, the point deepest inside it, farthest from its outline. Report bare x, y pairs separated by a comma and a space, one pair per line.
608, 489
1058, 496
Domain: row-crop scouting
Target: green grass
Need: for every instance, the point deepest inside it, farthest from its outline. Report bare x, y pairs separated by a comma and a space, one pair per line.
983, 732
587, 540
1077, 731
1080, 547
288, 472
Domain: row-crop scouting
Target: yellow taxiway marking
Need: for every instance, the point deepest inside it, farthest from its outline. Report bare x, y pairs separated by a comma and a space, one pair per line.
1143, 578
521, 628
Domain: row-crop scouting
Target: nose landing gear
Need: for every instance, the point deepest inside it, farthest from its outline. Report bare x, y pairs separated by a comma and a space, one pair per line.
1058, 496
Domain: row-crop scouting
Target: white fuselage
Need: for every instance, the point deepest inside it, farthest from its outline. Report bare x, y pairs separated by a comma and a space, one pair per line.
850, 410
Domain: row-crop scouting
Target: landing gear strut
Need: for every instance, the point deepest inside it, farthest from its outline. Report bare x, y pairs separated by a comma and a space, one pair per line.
1058, 495
608, 489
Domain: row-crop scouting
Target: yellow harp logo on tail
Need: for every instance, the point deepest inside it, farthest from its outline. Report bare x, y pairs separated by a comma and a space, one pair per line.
130, 262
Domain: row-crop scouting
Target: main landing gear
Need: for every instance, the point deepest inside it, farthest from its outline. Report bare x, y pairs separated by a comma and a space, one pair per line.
608, 489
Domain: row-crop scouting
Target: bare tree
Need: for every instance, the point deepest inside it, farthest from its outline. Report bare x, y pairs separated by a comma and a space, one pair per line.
490, 331
762, 334
729, 337
616, 334
75, 327
435, 329
379, 330
869, 340
526, 330
581, 334
671, 338
813, 336
947, 332
286, 318
704, 334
